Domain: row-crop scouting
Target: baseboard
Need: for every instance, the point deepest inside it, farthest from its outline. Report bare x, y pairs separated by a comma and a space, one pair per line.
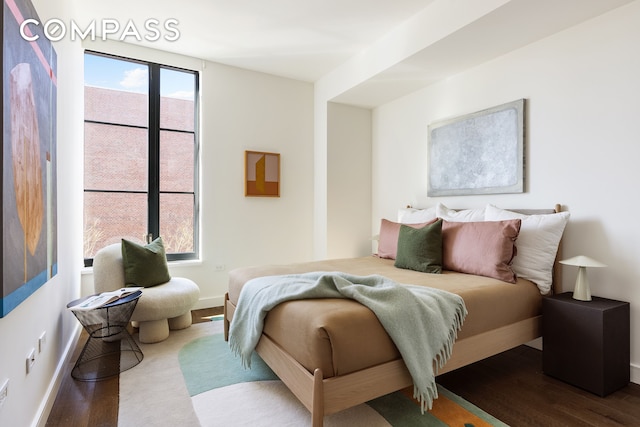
537, 343
56, 381
209, 302
635, 373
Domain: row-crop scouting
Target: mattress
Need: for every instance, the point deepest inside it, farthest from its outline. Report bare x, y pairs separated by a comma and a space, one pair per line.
341, 336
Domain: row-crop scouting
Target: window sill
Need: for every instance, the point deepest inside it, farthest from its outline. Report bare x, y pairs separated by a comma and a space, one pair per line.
180, 263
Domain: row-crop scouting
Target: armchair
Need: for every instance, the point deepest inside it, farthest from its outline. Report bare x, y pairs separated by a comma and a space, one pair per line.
161, 308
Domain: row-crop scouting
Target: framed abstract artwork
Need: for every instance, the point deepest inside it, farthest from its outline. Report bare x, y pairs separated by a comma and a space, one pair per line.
262, 174
29, 239
479, 153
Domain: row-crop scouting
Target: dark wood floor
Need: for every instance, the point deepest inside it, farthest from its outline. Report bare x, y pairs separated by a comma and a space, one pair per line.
95, 403
512, 387
509, 386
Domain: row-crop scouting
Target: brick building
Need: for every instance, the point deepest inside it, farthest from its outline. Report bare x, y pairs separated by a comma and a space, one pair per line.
116, 171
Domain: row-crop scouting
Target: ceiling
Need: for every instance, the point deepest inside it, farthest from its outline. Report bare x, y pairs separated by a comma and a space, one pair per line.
515, 24
306, 39
298, 39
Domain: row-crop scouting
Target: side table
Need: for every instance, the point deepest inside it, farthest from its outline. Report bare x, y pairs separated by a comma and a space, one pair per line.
110, 349
587, 343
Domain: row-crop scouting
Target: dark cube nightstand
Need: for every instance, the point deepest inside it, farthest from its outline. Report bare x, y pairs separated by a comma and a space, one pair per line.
586, 343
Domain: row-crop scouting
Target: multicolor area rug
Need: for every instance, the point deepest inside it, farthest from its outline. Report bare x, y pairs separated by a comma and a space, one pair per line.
197, 380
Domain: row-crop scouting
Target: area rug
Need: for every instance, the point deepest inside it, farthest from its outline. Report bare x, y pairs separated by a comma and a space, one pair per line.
193, 379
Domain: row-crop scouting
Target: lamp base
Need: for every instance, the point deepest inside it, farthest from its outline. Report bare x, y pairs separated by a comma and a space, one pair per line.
582, 291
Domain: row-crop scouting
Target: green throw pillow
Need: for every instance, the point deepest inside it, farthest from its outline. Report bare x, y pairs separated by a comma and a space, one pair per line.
420, 249
145, 265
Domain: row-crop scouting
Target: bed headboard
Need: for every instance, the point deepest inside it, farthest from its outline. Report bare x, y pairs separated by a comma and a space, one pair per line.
557, 208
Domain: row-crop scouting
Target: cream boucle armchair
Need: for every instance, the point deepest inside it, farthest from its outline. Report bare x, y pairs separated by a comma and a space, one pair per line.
160, 308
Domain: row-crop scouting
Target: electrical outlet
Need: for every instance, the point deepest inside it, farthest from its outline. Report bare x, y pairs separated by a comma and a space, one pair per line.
4, 391
219, 267
31, 359
42, 341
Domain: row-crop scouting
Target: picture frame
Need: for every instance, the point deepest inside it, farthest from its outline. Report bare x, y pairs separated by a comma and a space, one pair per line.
262, 174
478, 153
28, 185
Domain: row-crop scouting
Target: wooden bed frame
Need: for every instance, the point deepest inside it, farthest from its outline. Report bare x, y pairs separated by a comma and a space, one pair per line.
327, 396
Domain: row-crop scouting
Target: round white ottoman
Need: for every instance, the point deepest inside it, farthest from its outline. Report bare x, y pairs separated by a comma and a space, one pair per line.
164, 307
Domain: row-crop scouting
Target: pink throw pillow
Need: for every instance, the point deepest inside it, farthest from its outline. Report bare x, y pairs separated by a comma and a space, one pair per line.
483, 248
388, 240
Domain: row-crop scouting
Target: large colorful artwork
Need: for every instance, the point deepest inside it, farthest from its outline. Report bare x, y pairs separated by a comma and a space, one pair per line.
29, 249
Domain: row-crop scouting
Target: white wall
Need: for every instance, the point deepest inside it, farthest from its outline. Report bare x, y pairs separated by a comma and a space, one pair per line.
45, 311
244, 110
348, 181
582, 146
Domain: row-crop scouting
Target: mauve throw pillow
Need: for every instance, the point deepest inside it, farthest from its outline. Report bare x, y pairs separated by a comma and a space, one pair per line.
420, 249
483, 248
388, 238
145, 265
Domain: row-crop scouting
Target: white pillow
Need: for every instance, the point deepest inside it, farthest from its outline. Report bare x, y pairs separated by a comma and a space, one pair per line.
537, 244
465, 215
416, 216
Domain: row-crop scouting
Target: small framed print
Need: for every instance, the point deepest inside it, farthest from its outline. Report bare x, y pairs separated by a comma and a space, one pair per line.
262, 174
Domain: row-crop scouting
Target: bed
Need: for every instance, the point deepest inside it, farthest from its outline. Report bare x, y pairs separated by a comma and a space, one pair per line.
334, 354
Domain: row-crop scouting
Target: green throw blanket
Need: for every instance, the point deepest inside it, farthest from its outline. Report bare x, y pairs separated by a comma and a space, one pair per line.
422, 322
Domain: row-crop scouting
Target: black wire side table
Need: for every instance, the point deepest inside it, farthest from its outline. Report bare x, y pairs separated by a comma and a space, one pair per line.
110, 348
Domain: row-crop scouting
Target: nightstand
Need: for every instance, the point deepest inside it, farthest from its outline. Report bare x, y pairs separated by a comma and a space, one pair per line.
586, 343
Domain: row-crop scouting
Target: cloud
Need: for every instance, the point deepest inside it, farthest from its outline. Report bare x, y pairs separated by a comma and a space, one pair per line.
135, 79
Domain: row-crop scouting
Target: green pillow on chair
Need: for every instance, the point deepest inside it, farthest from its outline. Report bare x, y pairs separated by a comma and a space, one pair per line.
145, 265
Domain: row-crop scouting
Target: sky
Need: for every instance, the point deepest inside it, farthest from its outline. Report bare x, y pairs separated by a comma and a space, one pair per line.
116, 74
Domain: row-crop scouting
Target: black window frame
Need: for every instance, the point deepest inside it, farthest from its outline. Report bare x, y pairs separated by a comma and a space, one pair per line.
153, 128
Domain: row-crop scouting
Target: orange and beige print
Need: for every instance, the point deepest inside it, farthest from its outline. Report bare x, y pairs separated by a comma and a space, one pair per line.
262, 174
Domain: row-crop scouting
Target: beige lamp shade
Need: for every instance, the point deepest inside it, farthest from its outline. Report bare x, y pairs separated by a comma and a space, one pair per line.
582, 291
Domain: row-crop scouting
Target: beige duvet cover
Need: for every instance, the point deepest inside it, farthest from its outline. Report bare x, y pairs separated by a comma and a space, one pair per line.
341, 336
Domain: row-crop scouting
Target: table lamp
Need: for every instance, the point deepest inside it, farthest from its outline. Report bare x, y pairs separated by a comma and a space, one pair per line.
582, 291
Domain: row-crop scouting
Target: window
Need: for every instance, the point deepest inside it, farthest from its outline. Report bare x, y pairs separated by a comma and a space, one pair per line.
140, 155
